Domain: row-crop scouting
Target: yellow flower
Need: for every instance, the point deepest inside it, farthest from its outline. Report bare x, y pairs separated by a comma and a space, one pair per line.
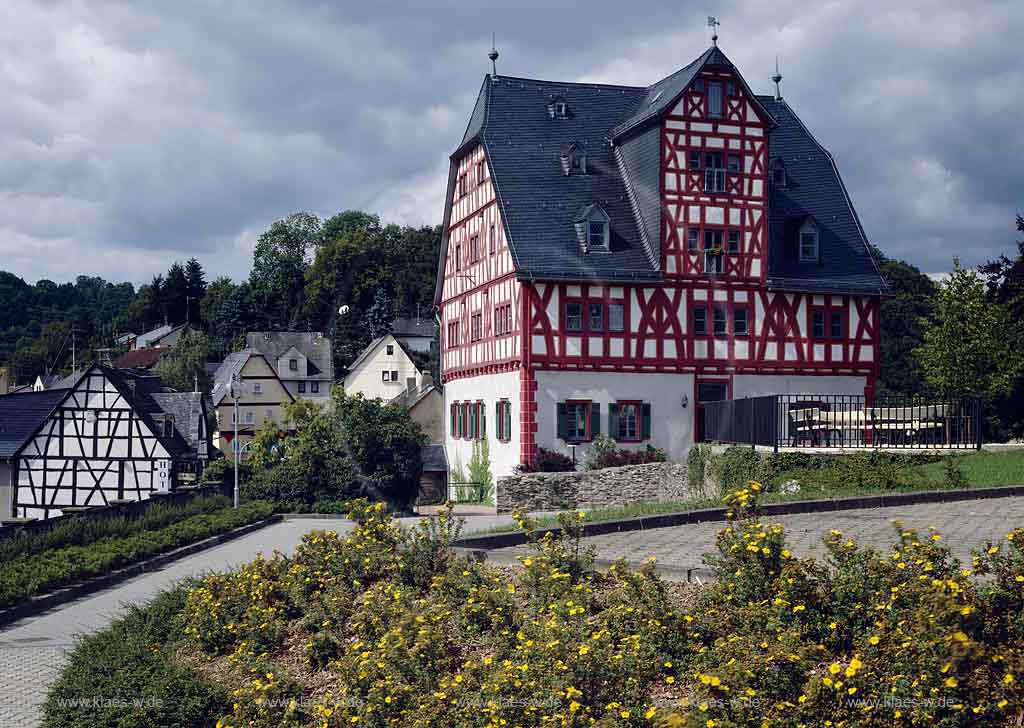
951, 682
1008, 678
670, 679
650, 712
873, 639
834, 668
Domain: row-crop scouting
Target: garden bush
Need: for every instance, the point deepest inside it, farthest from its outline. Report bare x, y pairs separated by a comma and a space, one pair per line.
83, 529
387, 626
34, 573
127, 675
547, 461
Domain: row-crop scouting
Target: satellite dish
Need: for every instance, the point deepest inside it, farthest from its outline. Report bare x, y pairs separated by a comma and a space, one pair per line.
343, 310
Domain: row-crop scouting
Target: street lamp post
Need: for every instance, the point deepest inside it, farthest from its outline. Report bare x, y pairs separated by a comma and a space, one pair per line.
236, 389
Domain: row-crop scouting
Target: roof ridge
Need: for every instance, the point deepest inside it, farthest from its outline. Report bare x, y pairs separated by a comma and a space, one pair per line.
571, 83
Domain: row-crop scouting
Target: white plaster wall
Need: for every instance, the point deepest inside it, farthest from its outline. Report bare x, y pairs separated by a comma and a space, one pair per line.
671, 423
489, 388
757, 385
367, 379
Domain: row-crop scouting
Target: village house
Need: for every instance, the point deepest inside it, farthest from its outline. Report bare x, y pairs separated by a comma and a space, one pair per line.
415, 333
615, 256
384, 370
261, 396
110, 435
303, 361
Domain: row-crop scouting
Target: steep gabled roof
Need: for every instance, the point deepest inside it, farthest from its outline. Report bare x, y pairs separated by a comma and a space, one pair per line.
618, 128
411, 327
189, 413
814, 189
374, 346
21, 416
312, 345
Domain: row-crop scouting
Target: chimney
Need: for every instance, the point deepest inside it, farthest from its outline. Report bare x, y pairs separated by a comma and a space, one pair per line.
426, 380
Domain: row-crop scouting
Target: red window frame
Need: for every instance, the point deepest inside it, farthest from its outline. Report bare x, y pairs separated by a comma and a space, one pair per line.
586, 404
585, 303
465, 420
639, 420
827, 311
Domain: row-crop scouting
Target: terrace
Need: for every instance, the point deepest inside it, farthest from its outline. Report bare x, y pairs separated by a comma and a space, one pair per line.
804, 421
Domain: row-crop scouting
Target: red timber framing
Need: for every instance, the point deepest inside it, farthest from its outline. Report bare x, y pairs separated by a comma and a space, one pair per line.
660, 335
737, 140
482, 281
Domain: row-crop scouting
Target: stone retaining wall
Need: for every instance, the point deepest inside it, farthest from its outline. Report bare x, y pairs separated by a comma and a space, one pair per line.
590, 488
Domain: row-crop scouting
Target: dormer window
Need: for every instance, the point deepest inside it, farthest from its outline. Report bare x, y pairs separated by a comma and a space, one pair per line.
778, 172
593, 229
557, 108
808, 243
574, 159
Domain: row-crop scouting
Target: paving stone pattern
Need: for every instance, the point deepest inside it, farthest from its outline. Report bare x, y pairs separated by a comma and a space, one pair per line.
963, 525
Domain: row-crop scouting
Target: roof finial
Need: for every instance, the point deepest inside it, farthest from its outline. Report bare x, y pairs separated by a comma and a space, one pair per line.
493, 55
777, 78
713, 23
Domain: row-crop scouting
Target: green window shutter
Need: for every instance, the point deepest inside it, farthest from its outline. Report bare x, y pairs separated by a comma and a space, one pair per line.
595, 419
563, 425
613, 420
483, 421
645, 421
497, 420
508, 420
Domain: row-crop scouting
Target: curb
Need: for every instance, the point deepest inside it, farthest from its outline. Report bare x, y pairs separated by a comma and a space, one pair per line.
669, 573
43, 602
664, 520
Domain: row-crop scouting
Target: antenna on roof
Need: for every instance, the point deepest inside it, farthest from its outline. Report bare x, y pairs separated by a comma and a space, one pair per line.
493, 55
713, 23
777, 78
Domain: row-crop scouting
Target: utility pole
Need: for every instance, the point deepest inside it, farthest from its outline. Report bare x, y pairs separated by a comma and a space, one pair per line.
236, 388
73, 362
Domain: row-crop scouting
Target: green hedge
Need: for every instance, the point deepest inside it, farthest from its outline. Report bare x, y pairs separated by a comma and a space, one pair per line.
83, 529
38, 572
876, 469
124, 676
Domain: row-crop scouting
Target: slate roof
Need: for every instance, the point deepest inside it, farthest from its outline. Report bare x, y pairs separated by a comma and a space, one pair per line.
408, 399
231, 366
314, 346
616, 125
413, 327
189, 413
814, 188
22, 414
153, 337
434, 458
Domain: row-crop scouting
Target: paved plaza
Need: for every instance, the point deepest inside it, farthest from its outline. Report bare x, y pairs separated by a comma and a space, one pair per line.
963, 525
32, 651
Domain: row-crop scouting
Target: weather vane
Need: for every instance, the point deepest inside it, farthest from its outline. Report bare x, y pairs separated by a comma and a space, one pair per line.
713, 23
493, 55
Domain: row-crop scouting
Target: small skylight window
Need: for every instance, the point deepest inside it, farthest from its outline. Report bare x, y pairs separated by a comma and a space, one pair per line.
809, 248
560, 109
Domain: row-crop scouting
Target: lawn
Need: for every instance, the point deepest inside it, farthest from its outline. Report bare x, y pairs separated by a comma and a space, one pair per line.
981, 470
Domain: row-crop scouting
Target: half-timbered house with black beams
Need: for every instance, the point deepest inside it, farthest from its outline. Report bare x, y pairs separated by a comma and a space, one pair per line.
115, 434
613, 256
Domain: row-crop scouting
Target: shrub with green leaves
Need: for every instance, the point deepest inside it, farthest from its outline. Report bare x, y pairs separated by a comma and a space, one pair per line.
127, 675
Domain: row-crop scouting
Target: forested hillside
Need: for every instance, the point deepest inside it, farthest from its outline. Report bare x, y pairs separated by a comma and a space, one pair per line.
303, 270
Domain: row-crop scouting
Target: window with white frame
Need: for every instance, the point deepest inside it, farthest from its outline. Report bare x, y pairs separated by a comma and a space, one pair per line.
257, 388
808, 243
597, 235
616, 317
629, 422
714, 172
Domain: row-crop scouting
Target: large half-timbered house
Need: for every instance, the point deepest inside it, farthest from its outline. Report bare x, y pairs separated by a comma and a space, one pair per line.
113, 435
612, 256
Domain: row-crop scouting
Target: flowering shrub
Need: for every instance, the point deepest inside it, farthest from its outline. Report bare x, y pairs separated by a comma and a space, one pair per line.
386, 626
547, 461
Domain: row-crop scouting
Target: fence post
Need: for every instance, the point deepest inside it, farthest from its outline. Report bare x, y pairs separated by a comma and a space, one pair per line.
977, 423
775, 424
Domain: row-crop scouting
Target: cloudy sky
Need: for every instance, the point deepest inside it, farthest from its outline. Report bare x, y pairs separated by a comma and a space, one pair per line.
135, 133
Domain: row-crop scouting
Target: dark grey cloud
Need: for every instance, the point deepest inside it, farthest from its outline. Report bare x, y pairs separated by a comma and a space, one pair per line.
133, 134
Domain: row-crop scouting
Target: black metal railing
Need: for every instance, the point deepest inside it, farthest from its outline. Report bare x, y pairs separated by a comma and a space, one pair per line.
845, 421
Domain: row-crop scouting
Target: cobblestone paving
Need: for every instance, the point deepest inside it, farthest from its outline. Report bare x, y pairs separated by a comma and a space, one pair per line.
33, 650
963, 525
